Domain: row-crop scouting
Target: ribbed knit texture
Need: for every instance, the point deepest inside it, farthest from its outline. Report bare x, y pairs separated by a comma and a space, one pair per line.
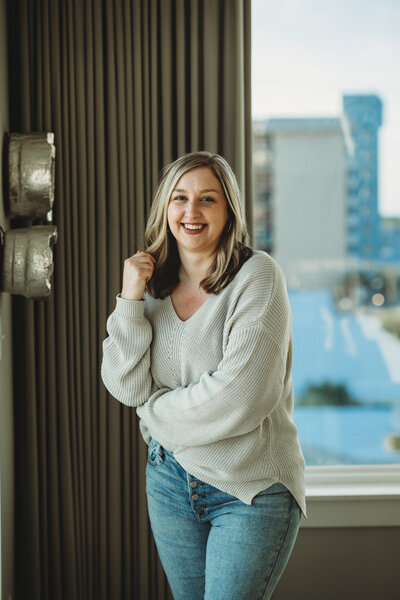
216, 390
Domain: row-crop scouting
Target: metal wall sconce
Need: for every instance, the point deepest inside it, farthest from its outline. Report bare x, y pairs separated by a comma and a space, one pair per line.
27, 257
28, 261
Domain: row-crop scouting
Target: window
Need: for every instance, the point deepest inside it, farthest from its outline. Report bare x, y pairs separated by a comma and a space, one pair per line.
352, 220
366, 137
366, 174
307, 82
365, 193
365, 155
366, 211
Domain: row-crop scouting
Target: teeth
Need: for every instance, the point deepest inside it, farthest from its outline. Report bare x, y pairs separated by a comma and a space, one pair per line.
192, 226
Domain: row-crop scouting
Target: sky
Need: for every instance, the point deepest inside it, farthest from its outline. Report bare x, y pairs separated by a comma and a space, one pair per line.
307, 53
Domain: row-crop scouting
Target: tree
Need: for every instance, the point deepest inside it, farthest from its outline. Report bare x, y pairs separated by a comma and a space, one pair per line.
326, 394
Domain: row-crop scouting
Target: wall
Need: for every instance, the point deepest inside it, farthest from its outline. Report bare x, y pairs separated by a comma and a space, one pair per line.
343, 564
6, 412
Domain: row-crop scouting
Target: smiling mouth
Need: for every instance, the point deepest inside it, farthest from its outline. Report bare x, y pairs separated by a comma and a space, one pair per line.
193, 226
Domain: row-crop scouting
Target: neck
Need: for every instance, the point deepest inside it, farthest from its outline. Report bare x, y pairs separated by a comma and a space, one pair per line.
194, 268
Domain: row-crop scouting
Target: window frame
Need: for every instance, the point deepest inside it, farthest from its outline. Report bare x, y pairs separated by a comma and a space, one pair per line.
353, 496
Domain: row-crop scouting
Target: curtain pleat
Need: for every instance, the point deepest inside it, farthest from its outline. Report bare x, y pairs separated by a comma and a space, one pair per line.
126, 86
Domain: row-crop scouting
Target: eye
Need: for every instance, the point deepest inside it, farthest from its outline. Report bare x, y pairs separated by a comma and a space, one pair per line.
179, 198
207, 199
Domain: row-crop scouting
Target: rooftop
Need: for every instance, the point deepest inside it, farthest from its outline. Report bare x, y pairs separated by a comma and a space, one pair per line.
304, 124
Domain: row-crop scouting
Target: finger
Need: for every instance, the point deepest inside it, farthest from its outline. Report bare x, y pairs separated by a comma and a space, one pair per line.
142, 257
143, 262
146, 254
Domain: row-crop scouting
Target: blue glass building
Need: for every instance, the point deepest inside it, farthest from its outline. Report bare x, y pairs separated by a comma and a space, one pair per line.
363, 114
390, 240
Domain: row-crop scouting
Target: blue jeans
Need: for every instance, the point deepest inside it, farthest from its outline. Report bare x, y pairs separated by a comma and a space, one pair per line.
213, 546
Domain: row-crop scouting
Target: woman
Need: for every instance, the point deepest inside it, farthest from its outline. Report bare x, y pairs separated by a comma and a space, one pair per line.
205, 357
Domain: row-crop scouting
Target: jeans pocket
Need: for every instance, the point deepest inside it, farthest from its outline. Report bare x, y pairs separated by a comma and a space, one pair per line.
155, 453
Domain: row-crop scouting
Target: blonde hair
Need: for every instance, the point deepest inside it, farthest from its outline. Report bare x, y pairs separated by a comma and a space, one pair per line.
232, 251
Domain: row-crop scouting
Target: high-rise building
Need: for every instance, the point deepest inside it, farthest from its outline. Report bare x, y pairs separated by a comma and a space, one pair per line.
300, 188
363, 114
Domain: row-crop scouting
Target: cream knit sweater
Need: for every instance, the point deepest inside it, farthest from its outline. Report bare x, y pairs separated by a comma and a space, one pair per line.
216, 390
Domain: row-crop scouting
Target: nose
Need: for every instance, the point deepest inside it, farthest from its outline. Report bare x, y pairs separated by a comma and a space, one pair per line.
192, 208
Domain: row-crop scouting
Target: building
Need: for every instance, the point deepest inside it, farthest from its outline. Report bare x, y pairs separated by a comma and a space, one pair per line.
363, 114
390, 240
262, 188
301, 204
316, 195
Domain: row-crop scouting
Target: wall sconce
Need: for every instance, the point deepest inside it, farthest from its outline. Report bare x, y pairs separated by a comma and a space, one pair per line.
27, 257
28, 261
31, 175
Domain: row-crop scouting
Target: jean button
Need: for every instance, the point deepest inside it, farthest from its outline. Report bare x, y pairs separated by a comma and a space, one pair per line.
195, 497
197, 508
193, 484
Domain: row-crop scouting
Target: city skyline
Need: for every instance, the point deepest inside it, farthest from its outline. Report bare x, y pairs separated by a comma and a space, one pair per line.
308, 53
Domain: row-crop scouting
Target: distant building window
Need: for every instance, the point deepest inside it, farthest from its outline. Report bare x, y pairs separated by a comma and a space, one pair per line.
367, 230
365, 192
352, 221
352, 201
366, 211
366, 155
365, 137
353, 249
352, 183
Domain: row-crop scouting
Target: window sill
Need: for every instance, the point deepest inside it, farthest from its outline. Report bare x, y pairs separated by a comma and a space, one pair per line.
353, 496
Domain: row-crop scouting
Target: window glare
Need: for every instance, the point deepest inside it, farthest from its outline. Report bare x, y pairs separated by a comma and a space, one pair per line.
326, 133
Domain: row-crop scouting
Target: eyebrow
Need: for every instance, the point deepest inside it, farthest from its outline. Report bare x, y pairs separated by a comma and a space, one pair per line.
201, 191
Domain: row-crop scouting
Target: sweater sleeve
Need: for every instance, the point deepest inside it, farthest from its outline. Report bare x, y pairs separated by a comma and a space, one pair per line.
125, 368
231, 401
250, 380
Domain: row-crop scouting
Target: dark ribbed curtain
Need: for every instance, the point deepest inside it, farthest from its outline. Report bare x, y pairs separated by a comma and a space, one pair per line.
126, 86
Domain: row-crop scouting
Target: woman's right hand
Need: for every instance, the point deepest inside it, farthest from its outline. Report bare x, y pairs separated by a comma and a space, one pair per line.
138, 270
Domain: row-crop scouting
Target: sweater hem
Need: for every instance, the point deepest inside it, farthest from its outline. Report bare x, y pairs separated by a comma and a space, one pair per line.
244, 491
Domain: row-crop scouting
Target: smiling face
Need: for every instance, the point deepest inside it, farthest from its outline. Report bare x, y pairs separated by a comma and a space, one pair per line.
197, 211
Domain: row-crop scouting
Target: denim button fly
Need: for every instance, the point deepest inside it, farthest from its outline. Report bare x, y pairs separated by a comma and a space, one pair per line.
192, 520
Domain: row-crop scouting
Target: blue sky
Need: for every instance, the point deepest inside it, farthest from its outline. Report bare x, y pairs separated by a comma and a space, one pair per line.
307, 53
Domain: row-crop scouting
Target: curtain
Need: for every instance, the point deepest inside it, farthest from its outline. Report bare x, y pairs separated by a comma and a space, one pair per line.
126, 86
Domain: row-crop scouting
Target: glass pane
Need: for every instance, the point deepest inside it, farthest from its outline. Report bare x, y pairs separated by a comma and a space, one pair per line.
326, 137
